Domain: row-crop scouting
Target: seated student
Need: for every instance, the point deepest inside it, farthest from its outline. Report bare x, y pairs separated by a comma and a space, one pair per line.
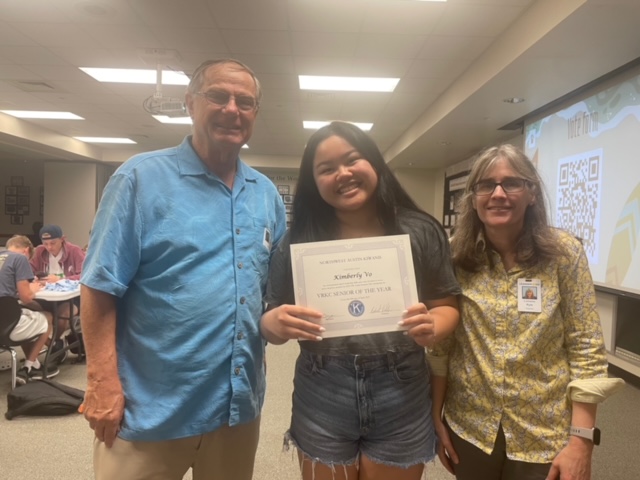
16, 282
57, 256
55, 259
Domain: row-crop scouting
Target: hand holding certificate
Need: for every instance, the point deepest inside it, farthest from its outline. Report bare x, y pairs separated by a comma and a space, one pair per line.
361, 285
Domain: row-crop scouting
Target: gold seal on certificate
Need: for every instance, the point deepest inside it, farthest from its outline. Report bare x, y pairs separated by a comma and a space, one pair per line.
360, 285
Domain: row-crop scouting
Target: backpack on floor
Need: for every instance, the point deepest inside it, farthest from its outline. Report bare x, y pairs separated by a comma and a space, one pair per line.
43, 397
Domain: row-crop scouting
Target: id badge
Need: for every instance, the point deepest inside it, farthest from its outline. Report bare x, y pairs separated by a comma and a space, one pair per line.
529, 295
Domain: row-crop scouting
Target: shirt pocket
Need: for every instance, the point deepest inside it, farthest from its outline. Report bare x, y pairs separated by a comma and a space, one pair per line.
261, 236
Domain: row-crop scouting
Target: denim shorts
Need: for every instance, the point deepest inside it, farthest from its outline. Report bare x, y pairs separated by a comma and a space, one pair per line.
376, 405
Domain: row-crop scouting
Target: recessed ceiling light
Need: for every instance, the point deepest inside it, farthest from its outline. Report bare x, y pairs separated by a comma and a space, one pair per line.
513, 100
127, 75
348, 84
314, 125
44, 115
104, 140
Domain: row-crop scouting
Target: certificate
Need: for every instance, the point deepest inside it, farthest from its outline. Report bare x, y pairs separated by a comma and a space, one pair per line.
360, 285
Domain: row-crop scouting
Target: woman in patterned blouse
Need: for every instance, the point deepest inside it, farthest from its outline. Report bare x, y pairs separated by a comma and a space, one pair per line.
521, 372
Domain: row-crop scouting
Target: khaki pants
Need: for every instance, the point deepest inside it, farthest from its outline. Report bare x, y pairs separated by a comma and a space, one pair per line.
224, 454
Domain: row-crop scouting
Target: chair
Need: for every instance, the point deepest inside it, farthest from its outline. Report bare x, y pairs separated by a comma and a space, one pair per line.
10, 312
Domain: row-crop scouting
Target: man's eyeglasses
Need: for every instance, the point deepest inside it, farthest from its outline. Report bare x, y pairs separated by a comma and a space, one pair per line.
509, 185
245, 103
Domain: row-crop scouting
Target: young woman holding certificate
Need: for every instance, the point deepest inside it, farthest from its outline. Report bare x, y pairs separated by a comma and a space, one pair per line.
361, 403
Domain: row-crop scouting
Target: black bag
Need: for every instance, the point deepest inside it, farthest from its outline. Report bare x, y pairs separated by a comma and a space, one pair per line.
43, 397
77, 348
10, 313
75, 338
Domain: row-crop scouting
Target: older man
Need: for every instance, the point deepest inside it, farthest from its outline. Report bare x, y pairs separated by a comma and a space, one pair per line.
172, 294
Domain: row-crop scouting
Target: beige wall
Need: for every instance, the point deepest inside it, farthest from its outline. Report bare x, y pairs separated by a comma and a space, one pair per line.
421, 185
70, 198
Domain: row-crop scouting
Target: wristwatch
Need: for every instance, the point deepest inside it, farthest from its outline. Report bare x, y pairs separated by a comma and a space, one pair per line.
592, 434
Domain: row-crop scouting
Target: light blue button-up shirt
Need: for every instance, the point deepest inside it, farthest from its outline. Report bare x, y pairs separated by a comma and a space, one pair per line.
187, 258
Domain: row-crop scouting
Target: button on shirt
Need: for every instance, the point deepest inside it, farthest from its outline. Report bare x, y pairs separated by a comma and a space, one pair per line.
166, 238
514, 367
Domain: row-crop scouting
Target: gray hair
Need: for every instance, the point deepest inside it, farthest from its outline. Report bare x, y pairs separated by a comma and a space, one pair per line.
197, 77
537, 242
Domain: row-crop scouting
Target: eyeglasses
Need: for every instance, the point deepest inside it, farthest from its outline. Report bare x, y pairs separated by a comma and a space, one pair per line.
245, 103
509, 185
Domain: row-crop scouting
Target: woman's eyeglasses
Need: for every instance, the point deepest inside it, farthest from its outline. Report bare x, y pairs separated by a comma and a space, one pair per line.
245, 103
509, 185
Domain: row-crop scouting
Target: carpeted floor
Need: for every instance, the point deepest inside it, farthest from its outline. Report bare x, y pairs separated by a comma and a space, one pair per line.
59, 448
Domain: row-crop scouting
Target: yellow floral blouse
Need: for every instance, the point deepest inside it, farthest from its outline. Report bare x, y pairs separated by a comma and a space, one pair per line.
514, 368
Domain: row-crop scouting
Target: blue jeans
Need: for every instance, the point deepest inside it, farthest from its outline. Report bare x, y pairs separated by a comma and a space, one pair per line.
376, 405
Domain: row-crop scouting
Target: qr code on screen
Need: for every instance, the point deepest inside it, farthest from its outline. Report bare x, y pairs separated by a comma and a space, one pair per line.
578, 199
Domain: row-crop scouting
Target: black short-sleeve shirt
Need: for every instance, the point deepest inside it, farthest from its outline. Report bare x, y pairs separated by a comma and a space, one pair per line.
434, 280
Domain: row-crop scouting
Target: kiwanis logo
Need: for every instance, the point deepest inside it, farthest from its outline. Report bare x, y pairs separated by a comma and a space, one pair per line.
356, 308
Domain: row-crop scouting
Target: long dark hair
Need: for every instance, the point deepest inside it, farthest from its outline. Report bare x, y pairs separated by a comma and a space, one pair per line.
537, 242
313, 218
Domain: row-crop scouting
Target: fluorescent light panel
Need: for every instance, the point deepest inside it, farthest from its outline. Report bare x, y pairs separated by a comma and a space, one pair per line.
104, 140
43, 115
126, 75
348, 84
173, 120
314, 125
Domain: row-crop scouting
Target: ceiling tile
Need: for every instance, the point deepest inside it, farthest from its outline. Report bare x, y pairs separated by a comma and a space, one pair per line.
257, 42
476, 20
402, 17
171, 14
121, 36
335, 16
10, 36
261, 64
21, 12
372, 45
454, 47
250, 14
30, 55
318, 44
331, 66
189, 40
